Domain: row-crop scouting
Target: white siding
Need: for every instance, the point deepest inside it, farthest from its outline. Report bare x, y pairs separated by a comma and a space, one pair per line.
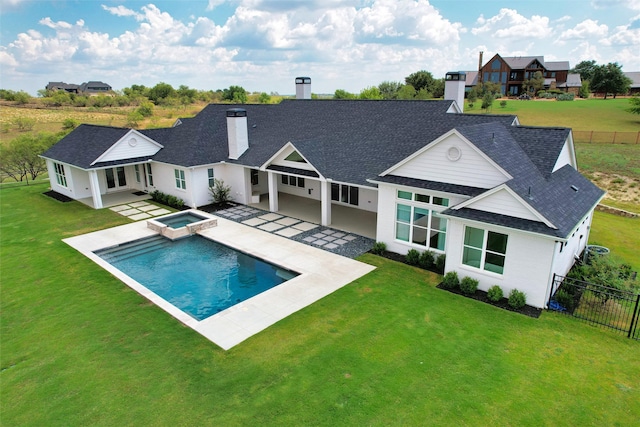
573, 247
564, 158
471, 169
123, 150
68, 190
502, 202
527, 264
80, 180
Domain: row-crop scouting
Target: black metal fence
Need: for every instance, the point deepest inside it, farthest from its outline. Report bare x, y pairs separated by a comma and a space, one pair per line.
605, 137
597, 304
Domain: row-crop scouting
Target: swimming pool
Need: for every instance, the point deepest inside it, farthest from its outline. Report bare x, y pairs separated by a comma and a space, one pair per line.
197, 275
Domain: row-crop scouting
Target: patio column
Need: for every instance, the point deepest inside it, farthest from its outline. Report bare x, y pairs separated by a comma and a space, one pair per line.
273, 191
95, 189
325, 202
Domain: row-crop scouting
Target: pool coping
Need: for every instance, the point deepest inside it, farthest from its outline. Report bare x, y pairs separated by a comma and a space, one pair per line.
321, 273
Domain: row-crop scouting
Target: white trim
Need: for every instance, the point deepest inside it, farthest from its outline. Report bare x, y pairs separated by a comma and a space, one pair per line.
503, 227
289, 145
438, 140
514, 195
130, 134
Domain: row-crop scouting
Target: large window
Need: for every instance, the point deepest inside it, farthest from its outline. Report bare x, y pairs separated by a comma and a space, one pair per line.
345, 194
418, 223
61, 177
137, 169
181, 182
484, 249
294, 181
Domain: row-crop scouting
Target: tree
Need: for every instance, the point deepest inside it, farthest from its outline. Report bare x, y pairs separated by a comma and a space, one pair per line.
635, 105
585, 69
487, 101
534, 84
389, 90
264, 98
343, 94
20, 158
406, 92
610, 79
421, 80
161, 92
371, 92
235, 94
186, 94
584, 89
482, 88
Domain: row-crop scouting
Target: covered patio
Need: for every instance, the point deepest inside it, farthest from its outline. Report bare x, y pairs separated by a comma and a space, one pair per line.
342, 217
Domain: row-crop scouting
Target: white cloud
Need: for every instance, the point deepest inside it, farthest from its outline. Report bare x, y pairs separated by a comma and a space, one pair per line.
584, 30
123, 11
624, 36
604, 4
508, 23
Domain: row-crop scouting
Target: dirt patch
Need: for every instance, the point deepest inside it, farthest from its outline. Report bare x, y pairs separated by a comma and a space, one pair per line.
619, 188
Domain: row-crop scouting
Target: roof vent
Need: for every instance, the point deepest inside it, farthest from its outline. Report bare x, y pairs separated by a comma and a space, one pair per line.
574, 188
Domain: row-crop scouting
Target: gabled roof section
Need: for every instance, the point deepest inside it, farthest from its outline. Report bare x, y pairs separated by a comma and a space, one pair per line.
84, 145
542, 146
283, 159
522, 62
132, 145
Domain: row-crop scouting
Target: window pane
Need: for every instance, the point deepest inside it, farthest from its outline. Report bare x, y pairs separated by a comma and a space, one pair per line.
176, 172
122, 178
111, 181
497, 242
344, 193
438, 223
441, 201
419, 236
301, 182
402, 231
210, 172
471, 257
285, 179
353, 195
335, 192
421, 217
403, 213
474, 237
494, 263
436, 241
424, 198
404, 195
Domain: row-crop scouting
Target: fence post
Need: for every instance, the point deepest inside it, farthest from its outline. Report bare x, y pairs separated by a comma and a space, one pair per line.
614, 137
634, 318
638, 137
591, 137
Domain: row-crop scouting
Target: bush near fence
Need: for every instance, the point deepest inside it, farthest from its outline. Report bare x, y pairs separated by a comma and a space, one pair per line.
604, 137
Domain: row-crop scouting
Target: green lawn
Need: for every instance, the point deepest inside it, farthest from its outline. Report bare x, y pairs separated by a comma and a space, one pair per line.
580, 114
80, 348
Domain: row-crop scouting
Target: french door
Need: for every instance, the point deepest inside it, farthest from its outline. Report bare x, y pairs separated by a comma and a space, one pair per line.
116, 178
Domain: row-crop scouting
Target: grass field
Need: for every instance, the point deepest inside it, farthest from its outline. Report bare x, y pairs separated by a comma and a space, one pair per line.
580, 115
80, 348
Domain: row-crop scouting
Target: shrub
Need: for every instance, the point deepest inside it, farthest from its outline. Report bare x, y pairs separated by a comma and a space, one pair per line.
517, 299
565, 97
412, 257
468, 285
427, 259
450, 280
24, 124
69, 124
503, 104
379, 248
440, 261
495, 293
220, 193
565, 299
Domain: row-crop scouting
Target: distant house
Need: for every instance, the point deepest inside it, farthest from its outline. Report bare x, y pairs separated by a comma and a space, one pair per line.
635, 82
505, 203
88, 88
511, 72
56, 86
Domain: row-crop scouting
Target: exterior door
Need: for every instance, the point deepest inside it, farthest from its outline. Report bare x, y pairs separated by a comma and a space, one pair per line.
116, 178
148, 177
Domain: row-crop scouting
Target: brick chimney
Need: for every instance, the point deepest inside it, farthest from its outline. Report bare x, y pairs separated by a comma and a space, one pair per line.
237, 132
303, 87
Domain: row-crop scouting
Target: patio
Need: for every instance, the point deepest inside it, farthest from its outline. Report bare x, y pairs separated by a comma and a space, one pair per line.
342, 217
118, 198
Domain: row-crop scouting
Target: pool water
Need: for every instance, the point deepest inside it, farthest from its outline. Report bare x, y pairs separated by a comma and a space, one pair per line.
199, 276
180, 220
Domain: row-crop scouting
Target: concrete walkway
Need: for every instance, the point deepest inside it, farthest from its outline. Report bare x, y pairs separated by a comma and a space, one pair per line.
137, 211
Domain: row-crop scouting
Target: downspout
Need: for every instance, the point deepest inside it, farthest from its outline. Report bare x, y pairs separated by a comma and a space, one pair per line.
547, 295
191, 187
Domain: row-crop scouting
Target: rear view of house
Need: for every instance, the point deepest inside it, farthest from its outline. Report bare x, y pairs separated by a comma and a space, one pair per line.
504, 202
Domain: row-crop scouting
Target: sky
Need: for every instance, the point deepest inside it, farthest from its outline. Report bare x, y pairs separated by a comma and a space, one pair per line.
262, 45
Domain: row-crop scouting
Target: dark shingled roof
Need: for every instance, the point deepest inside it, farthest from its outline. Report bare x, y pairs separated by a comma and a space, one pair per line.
354, 141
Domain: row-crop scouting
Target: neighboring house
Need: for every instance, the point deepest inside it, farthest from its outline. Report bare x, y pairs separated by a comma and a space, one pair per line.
56, 86
511, 72
504, 202
634, 76
89, 88
94, 88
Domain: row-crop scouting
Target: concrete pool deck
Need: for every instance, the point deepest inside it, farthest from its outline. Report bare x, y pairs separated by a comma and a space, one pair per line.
321, 273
